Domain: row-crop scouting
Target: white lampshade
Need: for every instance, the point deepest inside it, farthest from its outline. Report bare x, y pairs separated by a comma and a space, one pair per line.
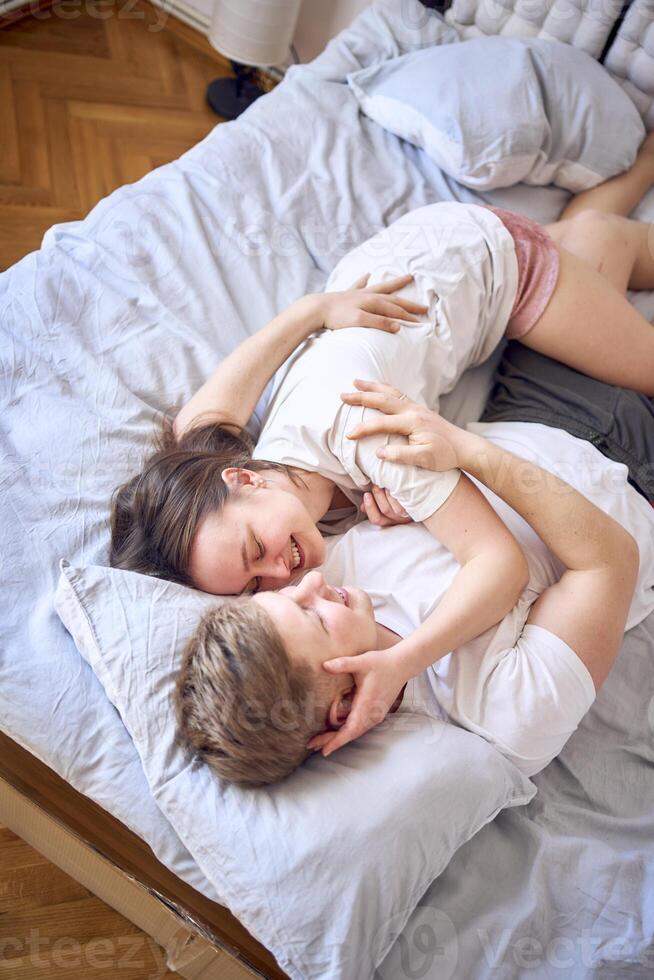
254, 32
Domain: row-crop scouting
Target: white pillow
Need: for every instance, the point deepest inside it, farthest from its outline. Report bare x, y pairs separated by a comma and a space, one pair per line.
495, 111
325, 867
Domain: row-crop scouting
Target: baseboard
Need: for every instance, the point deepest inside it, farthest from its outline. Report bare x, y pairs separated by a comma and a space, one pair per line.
185, 12
13, 10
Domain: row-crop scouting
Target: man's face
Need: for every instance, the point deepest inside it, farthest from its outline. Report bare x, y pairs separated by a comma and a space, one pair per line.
317, 622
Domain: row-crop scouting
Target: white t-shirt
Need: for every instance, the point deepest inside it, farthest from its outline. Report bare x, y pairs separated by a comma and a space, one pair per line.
465, 269
519, 686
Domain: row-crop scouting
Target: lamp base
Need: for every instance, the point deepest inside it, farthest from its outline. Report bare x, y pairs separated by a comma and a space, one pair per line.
229, 97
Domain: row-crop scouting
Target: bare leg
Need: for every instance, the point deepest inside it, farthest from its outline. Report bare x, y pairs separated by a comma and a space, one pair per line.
620, 249
588, 323
592, 327
620, 194
594, 226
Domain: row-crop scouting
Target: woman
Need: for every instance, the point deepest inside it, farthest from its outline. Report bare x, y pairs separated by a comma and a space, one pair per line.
146, 532
206, 513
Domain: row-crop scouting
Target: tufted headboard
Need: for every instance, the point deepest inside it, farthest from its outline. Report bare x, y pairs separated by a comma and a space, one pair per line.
630, 59
620, 33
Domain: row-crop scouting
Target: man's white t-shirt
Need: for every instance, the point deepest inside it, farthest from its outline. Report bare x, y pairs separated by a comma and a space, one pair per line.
465, 271
519, 686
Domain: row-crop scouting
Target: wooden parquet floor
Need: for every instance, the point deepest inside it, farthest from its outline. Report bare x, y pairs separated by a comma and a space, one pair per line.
93, 95
52, 928
87, 103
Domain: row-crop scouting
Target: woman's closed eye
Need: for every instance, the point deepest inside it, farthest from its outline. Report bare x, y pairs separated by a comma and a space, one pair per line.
254, 586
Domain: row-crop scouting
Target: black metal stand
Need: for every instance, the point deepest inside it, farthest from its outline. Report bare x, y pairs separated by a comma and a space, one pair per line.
229, 97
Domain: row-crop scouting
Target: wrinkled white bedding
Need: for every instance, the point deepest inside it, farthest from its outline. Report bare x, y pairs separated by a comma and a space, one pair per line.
124, 314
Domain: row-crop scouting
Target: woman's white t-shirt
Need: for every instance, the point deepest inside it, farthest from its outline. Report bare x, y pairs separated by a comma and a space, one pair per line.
465, 271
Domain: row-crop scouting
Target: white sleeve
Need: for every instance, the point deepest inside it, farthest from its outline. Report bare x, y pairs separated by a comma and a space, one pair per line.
534, 699
421, 492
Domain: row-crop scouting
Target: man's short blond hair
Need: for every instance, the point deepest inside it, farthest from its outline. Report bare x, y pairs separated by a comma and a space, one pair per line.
242, 705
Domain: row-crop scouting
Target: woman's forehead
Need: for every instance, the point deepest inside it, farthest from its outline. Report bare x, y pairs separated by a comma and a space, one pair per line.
215, 553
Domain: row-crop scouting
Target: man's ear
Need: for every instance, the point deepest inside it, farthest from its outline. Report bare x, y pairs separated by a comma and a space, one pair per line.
236, 476
337, 715
340, 708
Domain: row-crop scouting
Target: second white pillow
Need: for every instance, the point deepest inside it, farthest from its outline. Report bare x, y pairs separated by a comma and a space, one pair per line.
496, 111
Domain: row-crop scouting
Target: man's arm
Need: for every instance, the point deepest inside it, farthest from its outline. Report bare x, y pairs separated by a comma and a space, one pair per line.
492, 575
493, 569
588, 607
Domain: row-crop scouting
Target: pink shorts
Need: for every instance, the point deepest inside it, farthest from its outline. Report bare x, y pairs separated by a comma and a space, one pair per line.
538, 270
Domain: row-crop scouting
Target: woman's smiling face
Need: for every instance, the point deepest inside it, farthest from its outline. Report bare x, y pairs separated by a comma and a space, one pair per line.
257, 541
318, 622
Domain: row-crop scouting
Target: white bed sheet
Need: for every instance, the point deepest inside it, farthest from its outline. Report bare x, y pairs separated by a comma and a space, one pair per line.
124, 314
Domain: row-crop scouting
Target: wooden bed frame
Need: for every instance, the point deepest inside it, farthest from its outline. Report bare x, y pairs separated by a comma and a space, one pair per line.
202, 939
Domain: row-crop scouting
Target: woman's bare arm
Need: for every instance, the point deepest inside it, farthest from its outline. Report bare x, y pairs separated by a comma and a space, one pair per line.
233, 390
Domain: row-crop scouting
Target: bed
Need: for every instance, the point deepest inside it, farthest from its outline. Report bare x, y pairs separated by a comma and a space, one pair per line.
189, 261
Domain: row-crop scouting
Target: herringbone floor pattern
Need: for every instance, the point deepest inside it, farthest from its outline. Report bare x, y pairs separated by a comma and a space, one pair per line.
52, 928
91, 97
86, 104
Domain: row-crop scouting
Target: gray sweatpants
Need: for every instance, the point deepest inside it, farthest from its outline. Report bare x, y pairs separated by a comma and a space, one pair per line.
529, 387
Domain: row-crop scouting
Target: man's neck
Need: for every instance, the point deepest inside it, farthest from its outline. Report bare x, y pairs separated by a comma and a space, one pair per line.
385, 639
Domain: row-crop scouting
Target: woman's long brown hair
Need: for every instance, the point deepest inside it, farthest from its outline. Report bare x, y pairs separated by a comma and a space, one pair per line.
155, 514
